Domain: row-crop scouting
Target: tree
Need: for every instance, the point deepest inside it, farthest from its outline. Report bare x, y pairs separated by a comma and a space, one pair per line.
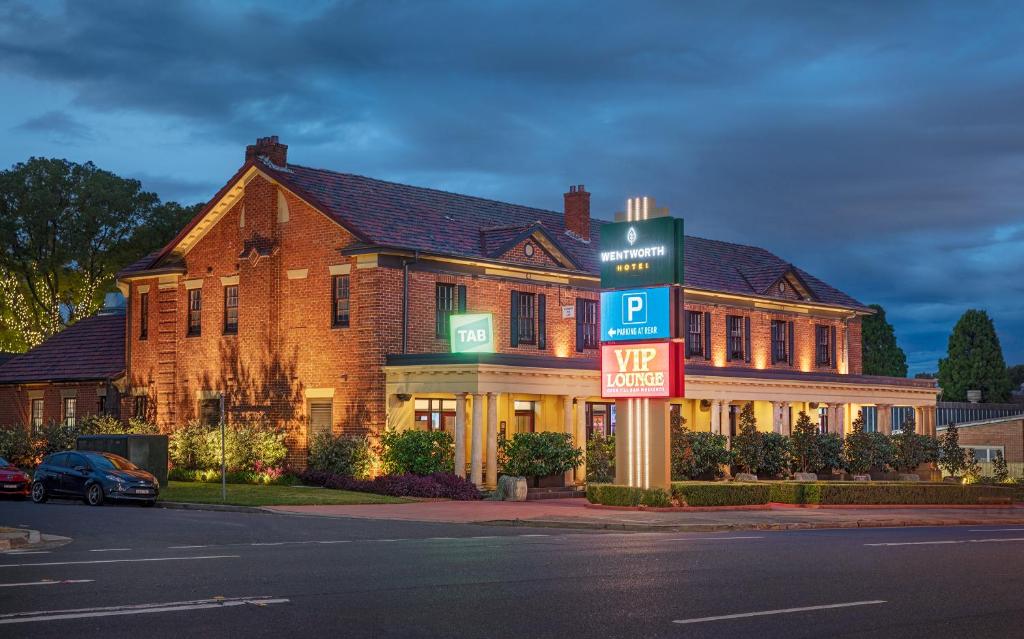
952, 458
1016, 374
748, 444
882, 355
805, 444
65, 230
972, 469
974, 361
858, 448
1000, 471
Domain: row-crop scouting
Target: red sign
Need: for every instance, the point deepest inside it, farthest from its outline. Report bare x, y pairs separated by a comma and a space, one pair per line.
653, 369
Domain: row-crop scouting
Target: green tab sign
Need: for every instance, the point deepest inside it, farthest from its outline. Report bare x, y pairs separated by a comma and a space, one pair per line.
472, 333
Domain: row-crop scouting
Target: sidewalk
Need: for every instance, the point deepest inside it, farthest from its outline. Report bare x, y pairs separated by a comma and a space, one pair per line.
573, 513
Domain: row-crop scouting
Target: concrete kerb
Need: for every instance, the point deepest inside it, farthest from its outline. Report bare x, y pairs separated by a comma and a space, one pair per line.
20, 538
225, 508
778, 526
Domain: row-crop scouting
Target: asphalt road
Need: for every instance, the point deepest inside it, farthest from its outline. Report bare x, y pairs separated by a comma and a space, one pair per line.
135, 572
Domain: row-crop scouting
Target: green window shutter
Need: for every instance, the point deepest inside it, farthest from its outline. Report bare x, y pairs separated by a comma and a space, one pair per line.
462, 298
580, 311
746, 339
542, 333
513, 320
707, 335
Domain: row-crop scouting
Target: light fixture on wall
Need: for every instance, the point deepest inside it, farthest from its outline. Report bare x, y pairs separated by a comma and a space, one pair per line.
705, 405
403, 397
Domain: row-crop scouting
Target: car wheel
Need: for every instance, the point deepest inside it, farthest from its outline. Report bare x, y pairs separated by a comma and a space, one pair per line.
39, 495
94, 495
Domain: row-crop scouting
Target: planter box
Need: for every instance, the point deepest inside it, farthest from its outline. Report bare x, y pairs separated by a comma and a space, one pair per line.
548, 481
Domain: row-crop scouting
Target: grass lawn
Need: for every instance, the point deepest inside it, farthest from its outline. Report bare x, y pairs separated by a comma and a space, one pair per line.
256, 495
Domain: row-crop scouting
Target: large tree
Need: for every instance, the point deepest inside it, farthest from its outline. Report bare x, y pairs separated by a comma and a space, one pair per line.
974, 361
65, 230
1016, 374
882, 355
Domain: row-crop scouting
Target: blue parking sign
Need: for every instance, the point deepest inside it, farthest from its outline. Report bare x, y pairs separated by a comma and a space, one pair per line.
636, 314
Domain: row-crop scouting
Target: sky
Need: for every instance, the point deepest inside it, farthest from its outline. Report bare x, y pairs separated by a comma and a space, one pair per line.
877, 145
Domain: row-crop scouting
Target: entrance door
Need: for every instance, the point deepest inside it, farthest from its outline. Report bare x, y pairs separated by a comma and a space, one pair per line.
526, 416
599, 420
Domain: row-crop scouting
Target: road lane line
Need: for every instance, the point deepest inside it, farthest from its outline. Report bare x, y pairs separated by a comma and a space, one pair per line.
709, 538
48, 582
109, 549
948, 542
25, 552
534, 535
186, 547
139, 609
338, 541
782, 611
116, 561
998, 530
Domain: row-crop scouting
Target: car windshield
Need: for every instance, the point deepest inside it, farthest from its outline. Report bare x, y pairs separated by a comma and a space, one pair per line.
109, 461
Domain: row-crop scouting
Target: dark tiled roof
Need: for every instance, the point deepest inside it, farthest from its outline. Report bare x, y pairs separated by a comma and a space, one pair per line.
5, 357
89, 349
415, 218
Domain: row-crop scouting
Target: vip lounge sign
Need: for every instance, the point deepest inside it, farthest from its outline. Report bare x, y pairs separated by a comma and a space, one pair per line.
641, 370
642, 253
472, 333
638, 314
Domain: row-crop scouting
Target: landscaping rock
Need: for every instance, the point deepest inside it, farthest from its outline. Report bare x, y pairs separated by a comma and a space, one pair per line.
908, 477
512, 488
862, 478
805, 477
746, 477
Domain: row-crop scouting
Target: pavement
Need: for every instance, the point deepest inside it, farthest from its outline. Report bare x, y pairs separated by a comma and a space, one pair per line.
150, 572
574, 513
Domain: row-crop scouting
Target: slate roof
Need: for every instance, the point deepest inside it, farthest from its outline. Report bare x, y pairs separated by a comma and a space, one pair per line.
90, 349
392, 215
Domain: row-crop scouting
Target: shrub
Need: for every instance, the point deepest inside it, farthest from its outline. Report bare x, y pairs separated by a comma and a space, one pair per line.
420, 452
830, 452
882, 454
249, 445
910, 450
778, 455
348, 455
952, 458
55, 436
138, 426
748, 444
273, 476
720, 493
100, 425
538, 454
16, 446
616, 495
806, 454
972, 469
857, 452
697, 455
601, 459
1000, 472
436, 485
188, 447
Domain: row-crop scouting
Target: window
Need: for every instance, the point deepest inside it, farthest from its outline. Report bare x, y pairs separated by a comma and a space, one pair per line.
525, 416
586, 319
195, 312
70, 408
143, 315
231, 310
340, 309
448, 300
600, 420
101, 407
824, 339
321, 417
736, 337
37, 414
435, 414
209, 411
870, 415
780, 341
694, 334
823, 419
984, 454
526, 319
141, 407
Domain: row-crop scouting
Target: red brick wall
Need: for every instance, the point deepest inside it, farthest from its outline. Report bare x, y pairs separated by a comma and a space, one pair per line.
540, 256
1009, 434
15, 405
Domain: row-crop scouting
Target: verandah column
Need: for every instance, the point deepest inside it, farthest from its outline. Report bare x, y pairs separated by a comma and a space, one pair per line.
776, 417
884, 418
716, 417
841, 419
460, 434
477, 442
581, 437
567, 427
492, 439
724, 423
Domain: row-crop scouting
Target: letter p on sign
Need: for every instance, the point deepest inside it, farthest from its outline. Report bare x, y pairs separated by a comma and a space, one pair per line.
634, 308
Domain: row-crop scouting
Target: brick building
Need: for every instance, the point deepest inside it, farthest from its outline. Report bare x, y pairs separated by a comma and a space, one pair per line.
989, 436
321, 299
73, 374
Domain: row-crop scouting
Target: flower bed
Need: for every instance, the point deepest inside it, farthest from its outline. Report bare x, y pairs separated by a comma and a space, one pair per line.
436, 485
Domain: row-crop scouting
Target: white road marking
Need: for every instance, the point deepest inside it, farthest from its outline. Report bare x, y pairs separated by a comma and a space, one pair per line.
109, 549
184, 547
116, 561
484, 537
998, 530
48, 582
440, 538
782, 611
710, 538
139, 609
339, 541
534, 535
948, 542
25, 552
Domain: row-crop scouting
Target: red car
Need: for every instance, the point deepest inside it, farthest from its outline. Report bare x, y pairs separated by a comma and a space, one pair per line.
14, 481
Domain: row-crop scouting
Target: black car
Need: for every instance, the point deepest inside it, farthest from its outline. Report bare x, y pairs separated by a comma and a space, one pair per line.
93, 477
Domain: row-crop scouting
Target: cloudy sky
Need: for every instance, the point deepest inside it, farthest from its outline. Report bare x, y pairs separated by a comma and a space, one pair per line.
879, 145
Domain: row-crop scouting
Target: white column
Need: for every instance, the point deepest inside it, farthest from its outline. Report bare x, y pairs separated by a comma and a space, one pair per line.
492, 439
841, 420
776, 417
476, 457
567, 426
833, 419
724, 422
460, 434
581, 437
716, 417
787, 418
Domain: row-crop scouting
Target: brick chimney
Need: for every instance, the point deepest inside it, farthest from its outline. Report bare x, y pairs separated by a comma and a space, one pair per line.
269, 148
577, 211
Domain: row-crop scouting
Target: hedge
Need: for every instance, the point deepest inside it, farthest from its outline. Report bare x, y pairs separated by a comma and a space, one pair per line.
721, 493
616, 495
835, 493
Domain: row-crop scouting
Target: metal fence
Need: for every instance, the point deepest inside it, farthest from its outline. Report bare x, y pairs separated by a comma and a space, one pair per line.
947, 413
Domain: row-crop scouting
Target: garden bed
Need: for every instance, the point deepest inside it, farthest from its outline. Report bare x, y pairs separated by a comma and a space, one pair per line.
831, 493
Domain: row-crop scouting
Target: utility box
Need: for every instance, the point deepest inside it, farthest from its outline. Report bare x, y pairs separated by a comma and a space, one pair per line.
148, 452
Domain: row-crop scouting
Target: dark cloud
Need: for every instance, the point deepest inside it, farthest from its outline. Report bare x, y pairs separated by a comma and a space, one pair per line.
879, 146
57, 124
